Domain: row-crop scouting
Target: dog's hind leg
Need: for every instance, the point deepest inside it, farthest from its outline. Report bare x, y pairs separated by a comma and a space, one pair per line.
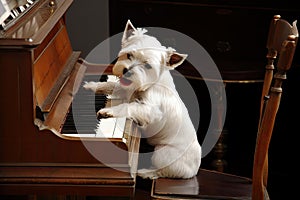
147, 173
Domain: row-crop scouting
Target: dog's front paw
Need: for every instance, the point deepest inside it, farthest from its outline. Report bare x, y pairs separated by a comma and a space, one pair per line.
91, 85
105, 113
147, 173
114, 111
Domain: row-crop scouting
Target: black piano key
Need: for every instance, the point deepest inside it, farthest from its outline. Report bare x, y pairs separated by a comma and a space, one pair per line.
101, 99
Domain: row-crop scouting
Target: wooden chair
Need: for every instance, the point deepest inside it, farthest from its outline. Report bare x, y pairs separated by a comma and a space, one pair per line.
208, 184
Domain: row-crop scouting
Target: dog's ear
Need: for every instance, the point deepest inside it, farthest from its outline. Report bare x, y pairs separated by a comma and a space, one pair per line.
175, 59
129, 28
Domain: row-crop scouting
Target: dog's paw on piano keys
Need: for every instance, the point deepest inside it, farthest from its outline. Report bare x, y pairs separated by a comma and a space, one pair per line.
104, 113
113, 111
121, 110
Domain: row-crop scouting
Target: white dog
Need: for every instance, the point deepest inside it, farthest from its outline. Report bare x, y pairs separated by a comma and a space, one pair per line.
153, 103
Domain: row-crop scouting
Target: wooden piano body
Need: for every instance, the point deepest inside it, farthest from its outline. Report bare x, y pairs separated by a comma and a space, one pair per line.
39, 71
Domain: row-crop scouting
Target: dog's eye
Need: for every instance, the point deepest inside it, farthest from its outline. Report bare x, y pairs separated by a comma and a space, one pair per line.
148, 66
129, 56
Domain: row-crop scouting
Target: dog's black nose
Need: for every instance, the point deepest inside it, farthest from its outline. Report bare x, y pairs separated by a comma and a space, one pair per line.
126, 72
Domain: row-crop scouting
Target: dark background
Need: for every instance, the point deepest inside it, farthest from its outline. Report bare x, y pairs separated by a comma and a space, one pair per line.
234, 33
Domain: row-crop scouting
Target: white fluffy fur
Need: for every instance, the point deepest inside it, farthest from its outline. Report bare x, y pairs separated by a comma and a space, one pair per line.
154, 104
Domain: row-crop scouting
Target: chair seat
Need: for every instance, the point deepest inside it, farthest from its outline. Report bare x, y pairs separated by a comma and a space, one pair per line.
206, 184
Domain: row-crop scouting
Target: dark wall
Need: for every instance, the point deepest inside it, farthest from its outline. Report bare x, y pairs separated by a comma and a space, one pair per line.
88, 24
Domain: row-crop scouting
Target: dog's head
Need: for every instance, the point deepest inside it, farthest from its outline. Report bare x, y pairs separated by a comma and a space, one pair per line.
143, 59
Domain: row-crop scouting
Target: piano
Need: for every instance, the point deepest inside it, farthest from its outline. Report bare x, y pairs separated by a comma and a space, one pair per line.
44, 148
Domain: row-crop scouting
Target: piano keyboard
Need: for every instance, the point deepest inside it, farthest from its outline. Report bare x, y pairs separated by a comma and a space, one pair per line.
82, 121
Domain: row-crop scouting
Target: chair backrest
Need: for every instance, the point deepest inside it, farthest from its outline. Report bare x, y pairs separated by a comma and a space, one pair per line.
281, 44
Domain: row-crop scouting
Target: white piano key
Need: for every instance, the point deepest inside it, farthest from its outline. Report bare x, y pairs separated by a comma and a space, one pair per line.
12, 15
106, 127
111, 128
22, 8
79, 135
119, 128
15, 12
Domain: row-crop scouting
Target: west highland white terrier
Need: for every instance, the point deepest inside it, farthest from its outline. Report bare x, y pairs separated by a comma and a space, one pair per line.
143, 67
